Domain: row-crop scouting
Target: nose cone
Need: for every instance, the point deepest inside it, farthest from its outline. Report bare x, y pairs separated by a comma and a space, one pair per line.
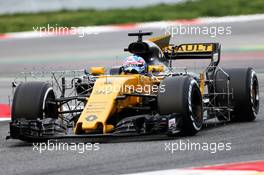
102, 103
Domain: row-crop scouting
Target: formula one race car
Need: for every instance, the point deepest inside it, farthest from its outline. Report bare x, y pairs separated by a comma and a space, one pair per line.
157, 101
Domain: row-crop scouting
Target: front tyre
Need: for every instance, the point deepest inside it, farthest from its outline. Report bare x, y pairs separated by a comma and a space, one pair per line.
33, 100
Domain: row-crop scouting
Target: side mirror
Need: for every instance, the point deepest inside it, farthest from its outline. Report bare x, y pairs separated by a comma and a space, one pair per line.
156, 68
97, 70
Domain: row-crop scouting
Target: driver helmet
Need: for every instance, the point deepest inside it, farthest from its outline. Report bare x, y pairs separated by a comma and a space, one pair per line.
134, 64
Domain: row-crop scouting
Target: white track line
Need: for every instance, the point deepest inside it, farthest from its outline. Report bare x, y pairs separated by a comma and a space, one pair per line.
196, 172
136, 26
2, 119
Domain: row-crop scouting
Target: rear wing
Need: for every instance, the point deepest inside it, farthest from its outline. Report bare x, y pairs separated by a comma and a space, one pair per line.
194, 51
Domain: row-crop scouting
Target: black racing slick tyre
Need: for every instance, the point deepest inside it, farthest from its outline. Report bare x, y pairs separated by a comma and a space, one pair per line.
30, 101
181, 95
245, 88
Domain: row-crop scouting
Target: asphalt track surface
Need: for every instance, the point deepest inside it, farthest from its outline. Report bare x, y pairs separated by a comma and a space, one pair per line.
243, 48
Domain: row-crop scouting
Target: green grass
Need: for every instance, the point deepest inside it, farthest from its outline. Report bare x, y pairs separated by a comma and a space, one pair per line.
187, 10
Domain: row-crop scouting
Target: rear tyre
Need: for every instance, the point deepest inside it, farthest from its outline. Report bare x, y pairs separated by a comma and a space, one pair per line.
245, 87
30, 101
181, 95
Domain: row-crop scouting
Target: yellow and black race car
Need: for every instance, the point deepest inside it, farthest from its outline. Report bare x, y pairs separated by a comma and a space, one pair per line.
157, 101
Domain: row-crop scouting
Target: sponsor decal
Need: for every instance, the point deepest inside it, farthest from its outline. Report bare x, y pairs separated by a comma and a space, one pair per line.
195, 48
91, 118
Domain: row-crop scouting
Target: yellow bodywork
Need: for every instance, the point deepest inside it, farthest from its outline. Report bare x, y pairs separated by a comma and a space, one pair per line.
102, 103
202, 83
161, 41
